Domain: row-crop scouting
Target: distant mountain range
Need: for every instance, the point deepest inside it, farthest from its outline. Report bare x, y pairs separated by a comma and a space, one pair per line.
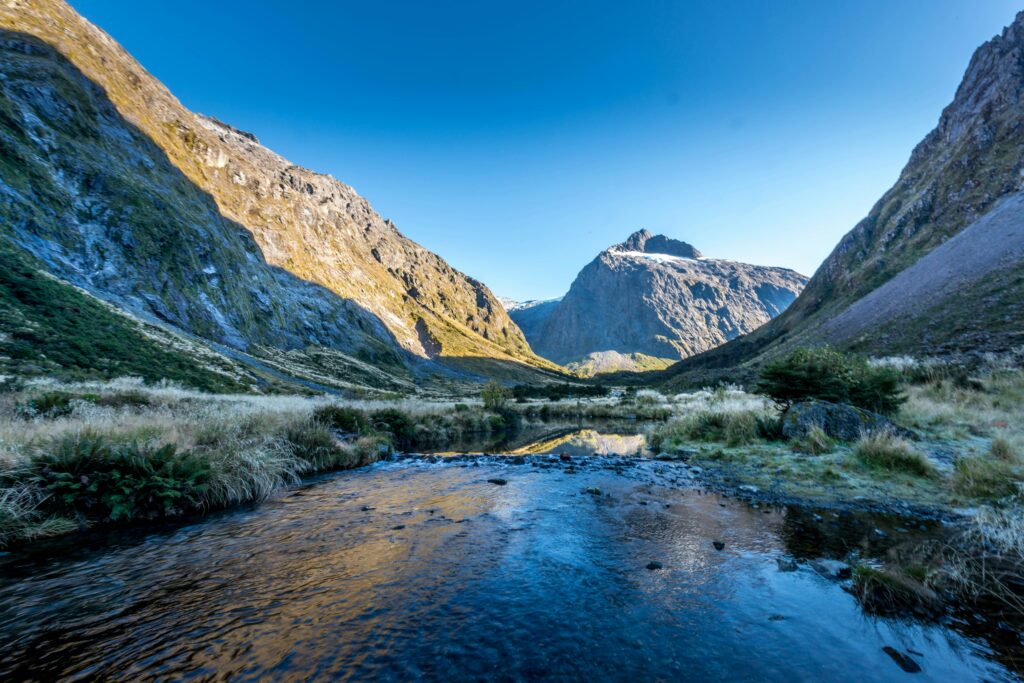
651, 300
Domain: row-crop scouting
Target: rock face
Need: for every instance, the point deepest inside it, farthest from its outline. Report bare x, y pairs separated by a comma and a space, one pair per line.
837, 420
111, 184
652, 296
950, 224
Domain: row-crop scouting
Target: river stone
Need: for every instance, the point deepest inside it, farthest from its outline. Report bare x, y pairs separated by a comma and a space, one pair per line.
838, 420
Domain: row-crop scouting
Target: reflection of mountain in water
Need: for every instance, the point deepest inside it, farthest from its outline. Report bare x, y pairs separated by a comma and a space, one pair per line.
586, 442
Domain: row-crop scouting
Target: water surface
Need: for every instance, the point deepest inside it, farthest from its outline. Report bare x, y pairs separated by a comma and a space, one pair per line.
419, 570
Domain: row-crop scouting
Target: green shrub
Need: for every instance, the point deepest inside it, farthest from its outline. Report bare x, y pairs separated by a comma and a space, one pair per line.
91, 479
829, 375
399, 425
558, 391
884, 450
124, 399
344, 419
52, 403
495, 396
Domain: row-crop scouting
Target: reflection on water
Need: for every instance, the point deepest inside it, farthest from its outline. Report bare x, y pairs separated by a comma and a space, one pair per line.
609, 440
411, 570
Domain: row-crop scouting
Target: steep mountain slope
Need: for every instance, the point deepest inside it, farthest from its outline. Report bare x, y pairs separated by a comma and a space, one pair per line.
117, 188
960, 179
530, 315
652, 297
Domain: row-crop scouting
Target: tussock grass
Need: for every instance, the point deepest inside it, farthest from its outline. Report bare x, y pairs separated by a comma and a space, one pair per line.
984, 563
884, 450
816, 442
998, 474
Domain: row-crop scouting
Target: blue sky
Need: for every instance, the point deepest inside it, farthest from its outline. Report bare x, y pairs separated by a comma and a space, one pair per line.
518, 139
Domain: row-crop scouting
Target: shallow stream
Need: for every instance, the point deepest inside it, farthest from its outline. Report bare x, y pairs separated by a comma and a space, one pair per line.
470, 567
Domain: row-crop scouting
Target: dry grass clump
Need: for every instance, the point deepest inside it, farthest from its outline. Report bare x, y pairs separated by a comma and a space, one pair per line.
983, 405
985, 561
884, 450
890, 591
815, 442
998, 474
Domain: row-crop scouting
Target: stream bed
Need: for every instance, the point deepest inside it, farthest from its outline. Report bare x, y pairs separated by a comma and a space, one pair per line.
521, 567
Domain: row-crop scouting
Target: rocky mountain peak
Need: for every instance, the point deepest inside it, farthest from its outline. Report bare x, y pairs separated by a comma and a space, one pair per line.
646, 242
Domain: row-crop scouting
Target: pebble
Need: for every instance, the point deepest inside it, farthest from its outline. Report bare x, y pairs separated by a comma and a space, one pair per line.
719, 545
653, 565
499, 482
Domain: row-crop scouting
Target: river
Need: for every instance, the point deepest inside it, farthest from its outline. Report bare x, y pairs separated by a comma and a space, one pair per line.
518, 568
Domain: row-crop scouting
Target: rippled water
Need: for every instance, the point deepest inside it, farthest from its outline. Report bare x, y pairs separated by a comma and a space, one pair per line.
417, 570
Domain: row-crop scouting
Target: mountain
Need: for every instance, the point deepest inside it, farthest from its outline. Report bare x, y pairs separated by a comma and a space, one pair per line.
936, 267
530, 315
652, 300
108, 183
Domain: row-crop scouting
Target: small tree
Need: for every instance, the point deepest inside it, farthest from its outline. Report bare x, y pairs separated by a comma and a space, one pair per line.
495, 396
826, 374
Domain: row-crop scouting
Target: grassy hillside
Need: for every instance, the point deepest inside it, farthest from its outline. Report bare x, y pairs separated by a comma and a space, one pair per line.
50, 328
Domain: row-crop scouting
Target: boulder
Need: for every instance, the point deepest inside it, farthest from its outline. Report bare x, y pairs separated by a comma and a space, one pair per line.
838, 420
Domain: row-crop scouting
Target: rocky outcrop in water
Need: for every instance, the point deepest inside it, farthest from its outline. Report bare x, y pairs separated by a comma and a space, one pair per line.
653, 297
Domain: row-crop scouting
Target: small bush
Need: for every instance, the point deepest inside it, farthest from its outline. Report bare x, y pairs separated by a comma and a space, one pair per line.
312, 442
124, 399
1002, 450
495, 396
344, 419
829, 375
91, 479
885, 451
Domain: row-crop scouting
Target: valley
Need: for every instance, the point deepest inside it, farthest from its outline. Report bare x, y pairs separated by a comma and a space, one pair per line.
251, 430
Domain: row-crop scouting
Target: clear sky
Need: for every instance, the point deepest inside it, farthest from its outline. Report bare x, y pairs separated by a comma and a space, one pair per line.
518, 139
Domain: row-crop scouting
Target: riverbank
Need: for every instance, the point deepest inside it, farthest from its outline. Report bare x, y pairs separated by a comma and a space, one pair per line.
80, 455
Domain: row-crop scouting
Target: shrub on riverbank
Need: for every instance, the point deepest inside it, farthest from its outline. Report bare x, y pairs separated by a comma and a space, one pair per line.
828, 375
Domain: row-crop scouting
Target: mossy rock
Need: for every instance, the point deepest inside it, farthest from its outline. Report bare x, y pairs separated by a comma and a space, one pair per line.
837, 420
